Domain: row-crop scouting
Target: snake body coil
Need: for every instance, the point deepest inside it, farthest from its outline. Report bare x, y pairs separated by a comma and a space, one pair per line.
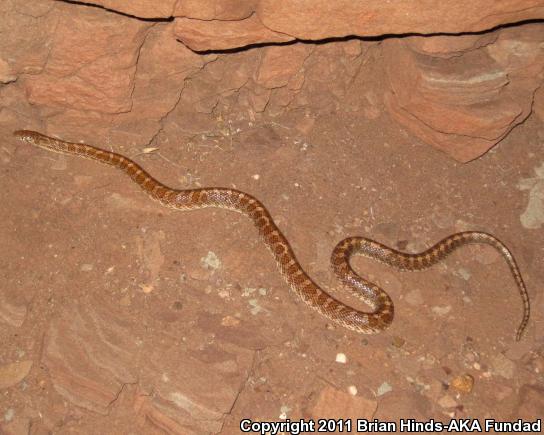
303, 286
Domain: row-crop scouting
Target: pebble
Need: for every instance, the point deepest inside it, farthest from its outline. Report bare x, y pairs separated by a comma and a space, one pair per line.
341, 358
384, 388
463, 273
441, 311
284, 410
463, 383
9, 414
211, 261
146, 288
398, 341
230, 321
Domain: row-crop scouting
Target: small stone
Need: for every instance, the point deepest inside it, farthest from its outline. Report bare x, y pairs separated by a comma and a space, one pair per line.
9, 414
463, 383
211, 261
352, 389
146, 288
384, 388
86, 267
464, 273
223, 294
441, 311
230, 321
341, 358
284, 411
398, 341
255, 307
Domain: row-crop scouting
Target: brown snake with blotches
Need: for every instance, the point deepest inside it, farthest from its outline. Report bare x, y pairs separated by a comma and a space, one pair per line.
304, 287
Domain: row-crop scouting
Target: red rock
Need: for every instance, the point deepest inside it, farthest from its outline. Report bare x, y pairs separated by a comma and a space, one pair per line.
220, 24
91, 63
89, 355
463, 105
157, 87
336, 404
24, 50
221, 35
227, 10
318, 19
255, 97
93, 350
144, 407
193, 389
280, 63
138, 8
101, 78
448, 46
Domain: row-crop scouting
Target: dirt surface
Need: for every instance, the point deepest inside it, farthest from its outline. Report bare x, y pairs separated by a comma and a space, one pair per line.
120, 316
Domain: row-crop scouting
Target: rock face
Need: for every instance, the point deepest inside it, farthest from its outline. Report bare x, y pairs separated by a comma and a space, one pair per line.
91, 64
111, 75
464, 94
203, 35
92, 355
264, 21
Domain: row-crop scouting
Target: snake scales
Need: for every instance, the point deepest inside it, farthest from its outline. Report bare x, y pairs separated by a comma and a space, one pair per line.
304, 287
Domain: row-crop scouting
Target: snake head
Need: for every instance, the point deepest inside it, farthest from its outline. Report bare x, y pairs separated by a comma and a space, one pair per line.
25, 135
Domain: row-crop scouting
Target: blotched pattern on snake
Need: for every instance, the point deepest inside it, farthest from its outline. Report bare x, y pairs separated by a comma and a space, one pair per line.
302, 285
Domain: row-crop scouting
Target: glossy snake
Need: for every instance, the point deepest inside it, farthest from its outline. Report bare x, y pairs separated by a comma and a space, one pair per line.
302, 285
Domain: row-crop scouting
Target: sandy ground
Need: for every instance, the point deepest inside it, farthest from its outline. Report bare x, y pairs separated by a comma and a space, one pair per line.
120, 316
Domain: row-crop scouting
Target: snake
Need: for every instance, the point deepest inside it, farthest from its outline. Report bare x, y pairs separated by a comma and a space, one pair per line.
381, 306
